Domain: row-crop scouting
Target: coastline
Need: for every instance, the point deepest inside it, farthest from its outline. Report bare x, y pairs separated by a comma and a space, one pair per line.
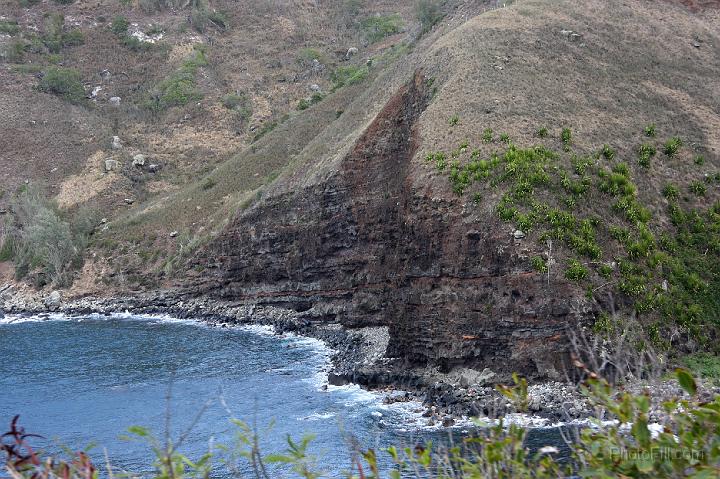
358, 357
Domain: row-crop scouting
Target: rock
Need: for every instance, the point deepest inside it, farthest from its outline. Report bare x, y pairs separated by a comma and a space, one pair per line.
116, 143
111, 165
448, 421
315, 88
129, 201
115, 100
518, 234
153, 168
173, 234
106, 74
316, 66
53, 299
104, 220
350, 52
138, 160
696, 44
337, 380
95, 91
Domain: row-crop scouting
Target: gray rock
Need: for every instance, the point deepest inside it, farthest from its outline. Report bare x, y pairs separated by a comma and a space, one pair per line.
115, 100
351, 51
116, 144
153, 168
315, 88
448, 421
129, 201
111, 165
53, 300
518, 234
138, 160
173, 234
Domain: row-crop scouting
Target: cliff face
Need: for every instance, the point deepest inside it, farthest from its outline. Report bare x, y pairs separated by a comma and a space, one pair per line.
369, 247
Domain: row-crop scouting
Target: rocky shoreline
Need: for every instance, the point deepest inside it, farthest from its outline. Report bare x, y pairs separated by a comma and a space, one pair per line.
359, 356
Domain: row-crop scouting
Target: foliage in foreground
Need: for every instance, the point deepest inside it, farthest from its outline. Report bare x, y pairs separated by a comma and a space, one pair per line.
686, 443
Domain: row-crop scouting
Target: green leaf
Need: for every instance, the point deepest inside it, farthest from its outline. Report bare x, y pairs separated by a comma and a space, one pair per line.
138, 431
686, 380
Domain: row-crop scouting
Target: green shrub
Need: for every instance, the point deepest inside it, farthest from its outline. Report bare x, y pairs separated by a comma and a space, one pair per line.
699, 160
63, 82
698, 188
201, 17
180, 88
119, 25
64, 2
307, 55
575, 271
671, 192
672, 146
566, 137
454, 120
487, 136
14, 51
607, 152
539, 264
378, 27
542, 132
208, 183
349, 75
428, 13
9, 27
41, 241
645, 153
505, 138
650, 130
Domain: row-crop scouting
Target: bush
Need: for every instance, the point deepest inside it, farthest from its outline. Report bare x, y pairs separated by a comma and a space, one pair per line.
9, 27
41, 241
202, 17
566, 137
63, 82
698, 188
539, 264
650, 130
575, 271
378, 27
180, 88
542, 132
428, 14
487, 136
349, 75
119, 25
454, 120
607, 152
699, 160
671, 192
672, 146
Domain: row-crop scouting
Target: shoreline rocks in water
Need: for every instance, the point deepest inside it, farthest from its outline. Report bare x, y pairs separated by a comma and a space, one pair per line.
358, 355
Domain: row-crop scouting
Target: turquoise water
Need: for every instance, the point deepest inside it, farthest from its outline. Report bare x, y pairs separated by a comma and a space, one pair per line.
83, 381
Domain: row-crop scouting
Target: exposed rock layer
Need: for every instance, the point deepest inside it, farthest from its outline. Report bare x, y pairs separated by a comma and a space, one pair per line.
367, 246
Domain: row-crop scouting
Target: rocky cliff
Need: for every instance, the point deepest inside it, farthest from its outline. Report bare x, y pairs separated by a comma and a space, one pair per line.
368, 247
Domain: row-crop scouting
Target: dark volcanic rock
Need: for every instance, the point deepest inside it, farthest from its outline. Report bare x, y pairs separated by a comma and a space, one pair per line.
368, 247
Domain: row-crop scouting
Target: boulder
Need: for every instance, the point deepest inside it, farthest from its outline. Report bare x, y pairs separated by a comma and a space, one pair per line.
111, 165
138, 160
351, 51
518, 234
116, 144
53, 300
115, 100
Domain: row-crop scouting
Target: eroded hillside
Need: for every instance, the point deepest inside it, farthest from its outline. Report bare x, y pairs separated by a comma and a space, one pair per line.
479, 188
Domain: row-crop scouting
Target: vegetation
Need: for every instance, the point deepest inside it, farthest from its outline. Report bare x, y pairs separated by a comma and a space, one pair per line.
650, 130
41, 241
56, 36
63, 82
306, 103
688, 445
542, 132
9, 27
180, 88
119, 25
669, 275
428, 13
348, 75
672, 146
566, 137
378, 27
